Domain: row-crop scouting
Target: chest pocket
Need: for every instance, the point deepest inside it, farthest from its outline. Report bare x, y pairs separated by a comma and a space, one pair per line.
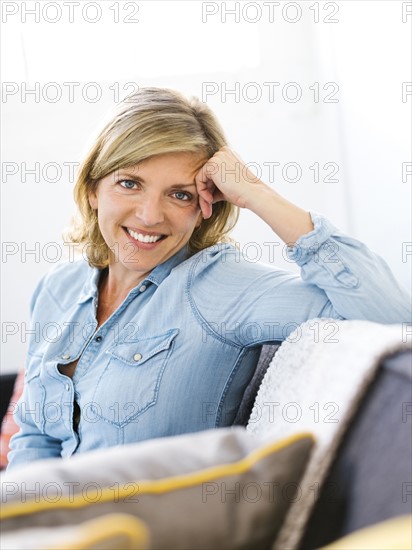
129, 383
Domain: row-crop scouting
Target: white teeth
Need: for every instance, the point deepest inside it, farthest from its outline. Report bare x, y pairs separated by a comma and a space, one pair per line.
143, 238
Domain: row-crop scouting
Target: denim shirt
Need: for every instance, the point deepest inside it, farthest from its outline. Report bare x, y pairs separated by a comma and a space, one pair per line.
178, 353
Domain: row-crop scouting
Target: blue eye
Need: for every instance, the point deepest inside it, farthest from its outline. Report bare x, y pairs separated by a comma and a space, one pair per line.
125, 184
183, 196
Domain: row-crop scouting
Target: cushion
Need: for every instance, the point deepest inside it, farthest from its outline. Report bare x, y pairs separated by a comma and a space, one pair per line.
8, 425
220, 488
111, 531
371, 478
395, 533
246, 405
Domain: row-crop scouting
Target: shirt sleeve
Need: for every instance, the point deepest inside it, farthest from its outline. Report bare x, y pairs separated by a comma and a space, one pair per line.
30, 443
246, 303
358, 283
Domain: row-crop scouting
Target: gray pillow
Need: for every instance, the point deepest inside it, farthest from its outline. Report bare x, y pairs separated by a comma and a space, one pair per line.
220, 488
111, 532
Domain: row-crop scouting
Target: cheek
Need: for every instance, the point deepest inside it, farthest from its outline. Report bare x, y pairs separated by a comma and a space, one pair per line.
111, 209
184, 218
193, 220
109, 221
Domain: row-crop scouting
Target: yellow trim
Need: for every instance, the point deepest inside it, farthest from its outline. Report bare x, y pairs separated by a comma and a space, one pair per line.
392, 534
96, 531
156, 486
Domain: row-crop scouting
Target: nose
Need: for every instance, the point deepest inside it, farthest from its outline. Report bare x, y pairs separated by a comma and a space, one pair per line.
149, 211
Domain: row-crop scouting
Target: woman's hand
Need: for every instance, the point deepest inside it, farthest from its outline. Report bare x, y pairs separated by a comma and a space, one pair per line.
224, 177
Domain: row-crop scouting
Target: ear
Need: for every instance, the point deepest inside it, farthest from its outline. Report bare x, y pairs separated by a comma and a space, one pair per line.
92, 200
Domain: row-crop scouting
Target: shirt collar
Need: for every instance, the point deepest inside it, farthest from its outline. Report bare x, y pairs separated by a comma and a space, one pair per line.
157, 276
161, 271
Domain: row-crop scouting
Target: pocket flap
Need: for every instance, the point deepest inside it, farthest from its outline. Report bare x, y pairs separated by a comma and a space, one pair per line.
139, 351
32, 370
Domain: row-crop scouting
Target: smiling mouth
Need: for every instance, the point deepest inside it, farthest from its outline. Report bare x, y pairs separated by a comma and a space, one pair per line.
140, 237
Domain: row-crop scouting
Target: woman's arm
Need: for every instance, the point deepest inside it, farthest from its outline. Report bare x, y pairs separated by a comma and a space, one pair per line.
287, 220
30, 443
358, 283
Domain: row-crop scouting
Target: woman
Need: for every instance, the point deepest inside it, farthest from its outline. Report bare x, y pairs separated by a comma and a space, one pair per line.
162, 326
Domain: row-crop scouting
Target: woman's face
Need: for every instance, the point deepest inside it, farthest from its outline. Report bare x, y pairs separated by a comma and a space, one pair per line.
148, 212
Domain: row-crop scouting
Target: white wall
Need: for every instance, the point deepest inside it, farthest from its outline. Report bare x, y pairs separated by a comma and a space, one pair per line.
366, 133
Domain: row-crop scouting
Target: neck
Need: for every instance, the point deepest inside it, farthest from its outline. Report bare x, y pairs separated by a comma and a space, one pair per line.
112, 290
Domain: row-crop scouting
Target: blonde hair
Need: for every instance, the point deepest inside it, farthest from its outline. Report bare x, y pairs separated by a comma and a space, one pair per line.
150, 122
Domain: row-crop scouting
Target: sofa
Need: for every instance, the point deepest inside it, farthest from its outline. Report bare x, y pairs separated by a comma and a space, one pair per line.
369, 479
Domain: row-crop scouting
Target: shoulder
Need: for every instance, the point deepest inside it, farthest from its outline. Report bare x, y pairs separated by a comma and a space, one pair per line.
63, 283
226, 263
67, 276
223, 271
225, 291
67, 269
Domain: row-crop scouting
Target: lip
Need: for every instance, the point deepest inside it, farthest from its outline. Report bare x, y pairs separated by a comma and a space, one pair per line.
137, 230
143, 246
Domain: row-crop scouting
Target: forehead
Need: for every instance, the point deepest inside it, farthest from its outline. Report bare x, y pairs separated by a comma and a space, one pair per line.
184, 164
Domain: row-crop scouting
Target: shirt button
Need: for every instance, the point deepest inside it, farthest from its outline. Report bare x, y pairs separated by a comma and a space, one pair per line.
137, 356
65, 357
142, 288
98, 338
67, 387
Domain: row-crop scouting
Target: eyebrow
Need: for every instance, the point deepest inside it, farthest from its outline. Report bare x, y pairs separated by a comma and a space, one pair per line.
124, 174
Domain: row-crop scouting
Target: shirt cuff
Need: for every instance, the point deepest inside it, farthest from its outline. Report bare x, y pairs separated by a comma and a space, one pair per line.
320, 250
307, 245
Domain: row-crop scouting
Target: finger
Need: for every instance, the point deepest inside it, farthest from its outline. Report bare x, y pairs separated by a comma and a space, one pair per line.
207, 171
205, 187
218, 196
206, 194
205, 207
